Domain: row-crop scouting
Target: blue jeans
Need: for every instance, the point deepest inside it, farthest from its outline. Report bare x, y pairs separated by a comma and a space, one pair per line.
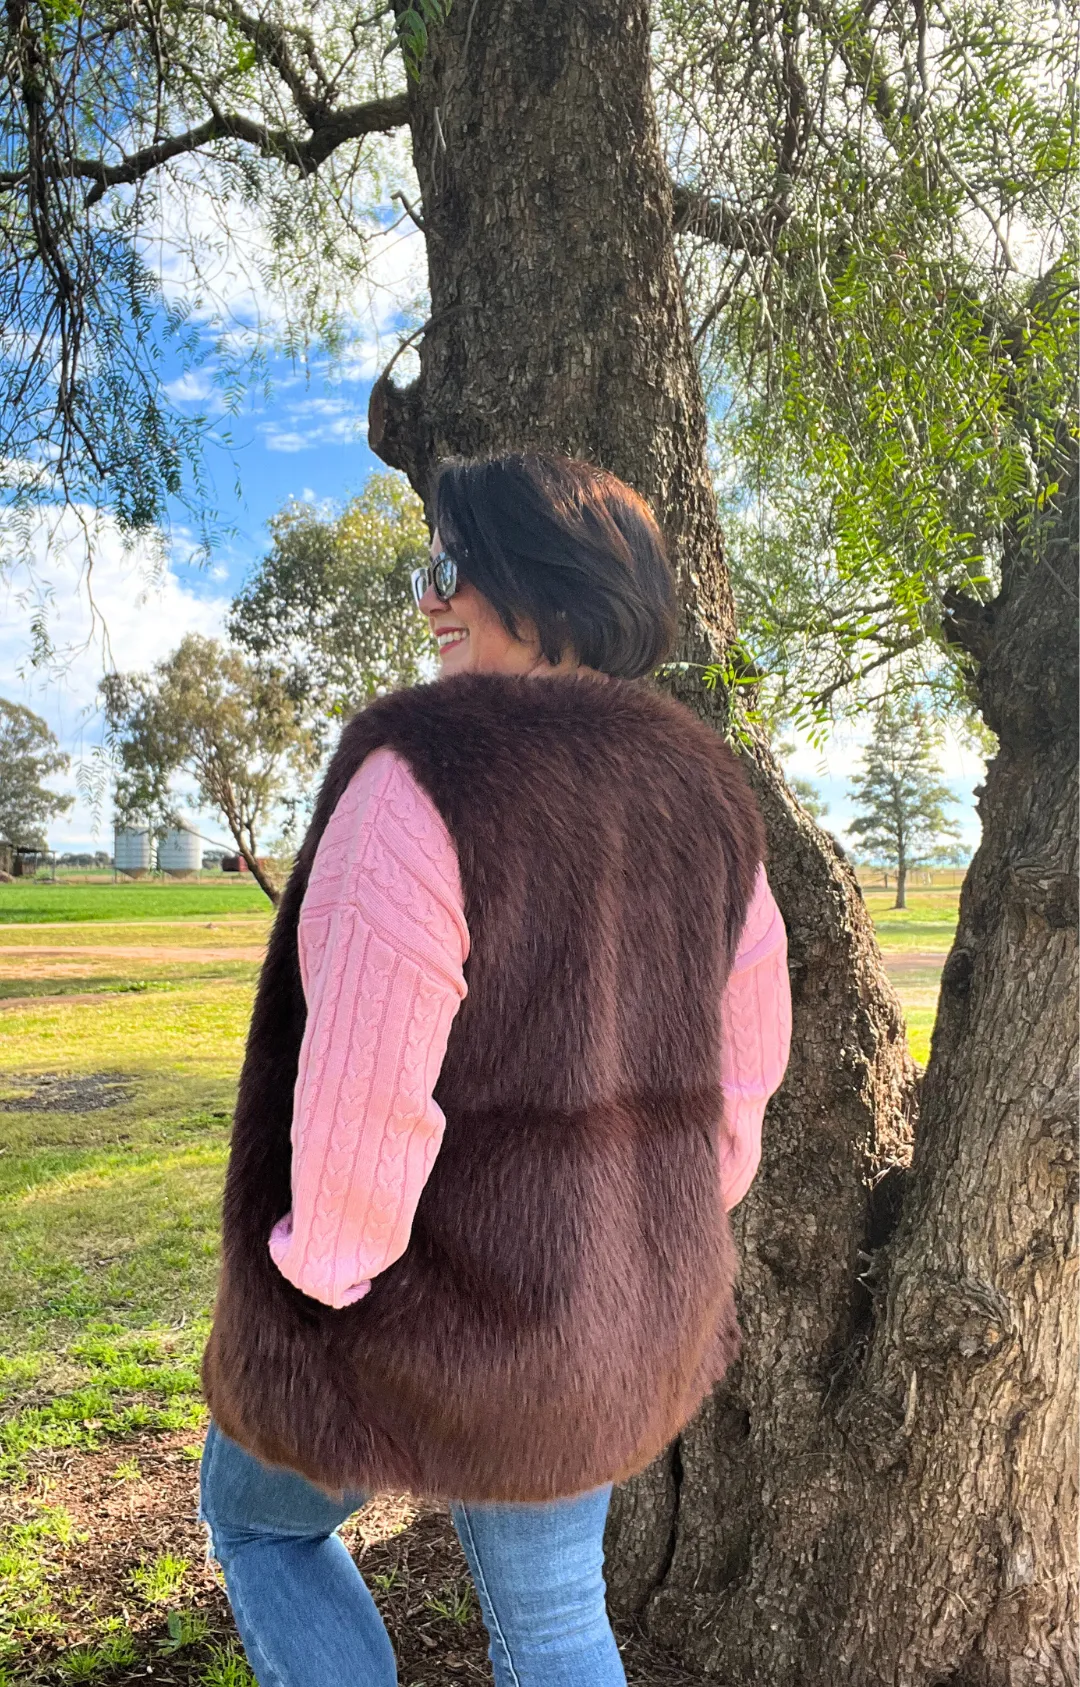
307, 1619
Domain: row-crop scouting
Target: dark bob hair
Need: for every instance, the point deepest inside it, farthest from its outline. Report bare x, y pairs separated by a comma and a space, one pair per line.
567, 546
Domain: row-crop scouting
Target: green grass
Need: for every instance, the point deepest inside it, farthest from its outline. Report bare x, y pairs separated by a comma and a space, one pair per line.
454, 1604
109, 1216
27, 1564
166, 1037
226, 928
227, 1669
928, 921
38, 901
127, 958
185, 1628
920, 1026
155, 978
91, 1664
914, 942
160, 1582
109, 1224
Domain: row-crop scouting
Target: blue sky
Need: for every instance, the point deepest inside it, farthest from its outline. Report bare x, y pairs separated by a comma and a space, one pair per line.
309, 441
306, 440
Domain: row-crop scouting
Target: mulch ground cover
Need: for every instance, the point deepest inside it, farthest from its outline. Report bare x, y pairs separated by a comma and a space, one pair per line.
132, 1505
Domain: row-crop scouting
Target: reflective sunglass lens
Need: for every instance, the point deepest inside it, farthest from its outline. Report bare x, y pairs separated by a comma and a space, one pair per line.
444, 574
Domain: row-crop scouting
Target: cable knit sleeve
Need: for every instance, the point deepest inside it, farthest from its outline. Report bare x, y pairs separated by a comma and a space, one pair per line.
382, 943
755, 1019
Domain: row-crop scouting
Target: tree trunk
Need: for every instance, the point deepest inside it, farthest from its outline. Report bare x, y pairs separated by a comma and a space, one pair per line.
557, 321
901, 885
926, 1534
557, 318
245, 844
261, 877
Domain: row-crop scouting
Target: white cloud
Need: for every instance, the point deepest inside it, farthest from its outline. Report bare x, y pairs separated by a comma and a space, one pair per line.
345, 429
276, 441
23, 473
127, 613
329, 405
194, 386
212, 256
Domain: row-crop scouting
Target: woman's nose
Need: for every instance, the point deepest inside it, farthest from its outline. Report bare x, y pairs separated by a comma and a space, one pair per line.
430, 600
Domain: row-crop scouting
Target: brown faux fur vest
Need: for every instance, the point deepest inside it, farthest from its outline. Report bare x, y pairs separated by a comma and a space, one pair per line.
566, 1299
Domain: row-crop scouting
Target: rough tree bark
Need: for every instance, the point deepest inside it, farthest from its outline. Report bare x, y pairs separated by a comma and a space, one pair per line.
557, 321
927, 1534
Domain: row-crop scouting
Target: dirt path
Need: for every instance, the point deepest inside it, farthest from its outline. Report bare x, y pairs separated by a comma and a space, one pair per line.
8, 1004
915, 960
131, 952
193, 922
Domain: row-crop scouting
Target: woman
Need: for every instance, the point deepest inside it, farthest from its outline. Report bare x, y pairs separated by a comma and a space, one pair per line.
524, 1003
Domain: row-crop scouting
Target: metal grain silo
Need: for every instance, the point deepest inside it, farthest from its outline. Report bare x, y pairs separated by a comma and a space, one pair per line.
180, 852
132, 852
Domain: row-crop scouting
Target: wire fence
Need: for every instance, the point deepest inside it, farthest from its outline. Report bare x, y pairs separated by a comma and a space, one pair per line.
918, 878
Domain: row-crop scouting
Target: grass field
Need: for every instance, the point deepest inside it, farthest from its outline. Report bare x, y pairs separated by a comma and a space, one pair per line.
38, 900
915, 942
123, 1012
122, 1016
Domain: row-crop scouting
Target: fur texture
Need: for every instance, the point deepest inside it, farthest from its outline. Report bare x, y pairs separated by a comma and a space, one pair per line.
562, 1331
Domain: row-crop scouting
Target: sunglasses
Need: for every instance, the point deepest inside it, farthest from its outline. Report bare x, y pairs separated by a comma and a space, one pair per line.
441, 572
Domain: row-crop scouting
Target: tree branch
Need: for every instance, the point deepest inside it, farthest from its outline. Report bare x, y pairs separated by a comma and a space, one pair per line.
271, 42
351, 123
853, 676
724, 224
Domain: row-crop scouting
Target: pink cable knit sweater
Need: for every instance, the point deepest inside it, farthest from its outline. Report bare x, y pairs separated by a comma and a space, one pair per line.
383, 941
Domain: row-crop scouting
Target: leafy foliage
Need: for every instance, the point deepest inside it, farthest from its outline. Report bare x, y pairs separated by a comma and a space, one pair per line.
136, 141
414, 23
876, 219
28, 754
902, 821
863, 524
874, 213
332, 603
234, 727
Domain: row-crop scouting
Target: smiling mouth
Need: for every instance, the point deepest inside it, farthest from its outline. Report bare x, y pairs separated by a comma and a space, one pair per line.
453, 636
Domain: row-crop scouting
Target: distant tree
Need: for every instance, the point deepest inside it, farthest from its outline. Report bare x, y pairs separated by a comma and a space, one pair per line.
29, 753
332, 600
234, 727
902, 819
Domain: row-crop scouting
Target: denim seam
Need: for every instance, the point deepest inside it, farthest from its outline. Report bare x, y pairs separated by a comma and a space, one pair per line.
266, 1675
204, 1476
209, 1452
485, 1593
